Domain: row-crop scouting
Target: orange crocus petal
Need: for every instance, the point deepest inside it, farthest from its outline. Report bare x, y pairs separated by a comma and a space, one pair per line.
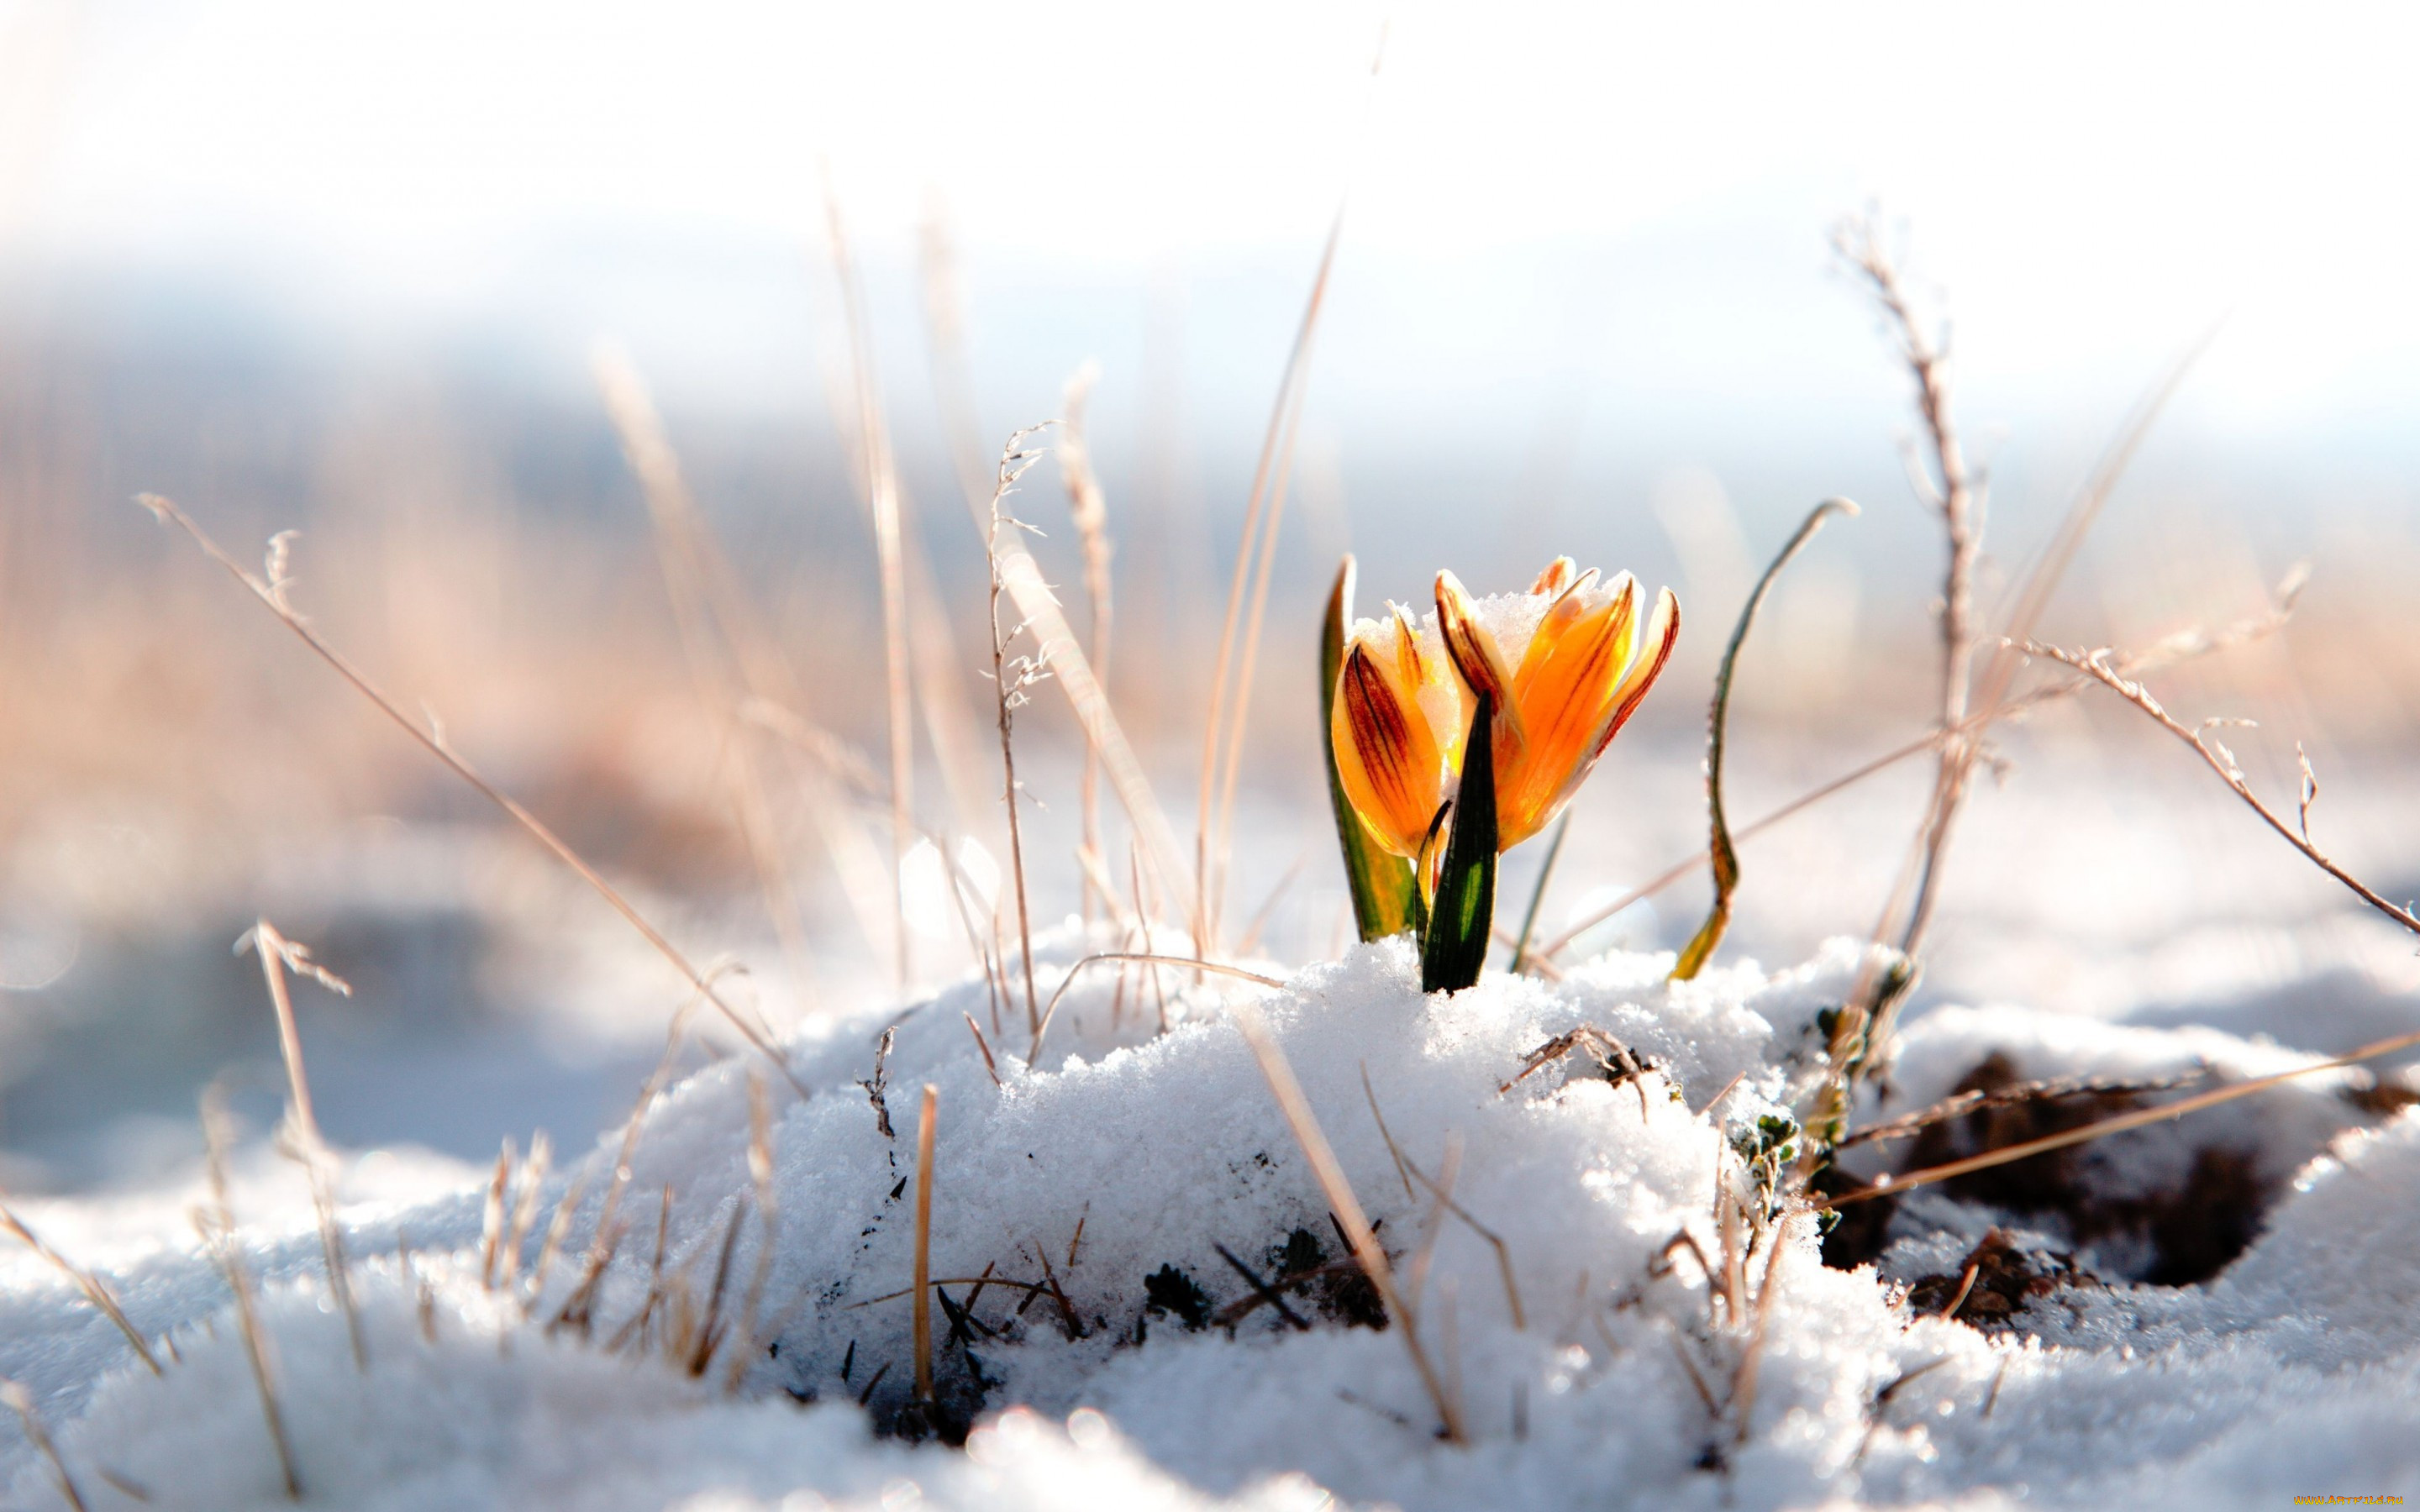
1567, 687
1663, 630
1386, 755
1557, 576
1474, 654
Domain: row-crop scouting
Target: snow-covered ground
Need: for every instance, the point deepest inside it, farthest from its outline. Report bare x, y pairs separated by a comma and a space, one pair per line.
1593, 1365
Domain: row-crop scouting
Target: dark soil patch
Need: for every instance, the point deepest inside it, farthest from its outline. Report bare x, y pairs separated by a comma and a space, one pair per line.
2191, 1229
1995, 1282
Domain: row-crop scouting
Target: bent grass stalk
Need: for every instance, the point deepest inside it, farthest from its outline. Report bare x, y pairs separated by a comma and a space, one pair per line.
1264, 512
1726, 859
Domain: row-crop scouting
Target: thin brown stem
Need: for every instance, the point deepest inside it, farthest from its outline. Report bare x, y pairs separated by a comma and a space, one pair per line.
922, 1308
217, 1226
1952, 491
272, 595
2097, 667
22, 1401
1886, 1184
277, 953
95, 1290
1008, 695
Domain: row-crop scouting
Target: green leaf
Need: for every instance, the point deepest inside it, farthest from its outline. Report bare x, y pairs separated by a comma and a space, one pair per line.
1462, 914
1384, 901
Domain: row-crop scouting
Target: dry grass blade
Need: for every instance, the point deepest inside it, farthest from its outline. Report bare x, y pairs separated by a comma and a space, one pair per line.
1409, 1171
684, 554
273, 595
921, 1309
1263, 513
830, 774
216, 1224
1009, 693
1088, 507
531, 1187
1886, 1184
94, 1290
882, 501
279, 954
1752, 1355
1193, 962
22, 1403
1073, 672
1964, 1103
1726, 859
760, 1173
579, 1308
945, 334
1432, 1225
1347, 1209
1261, 916
2097, 667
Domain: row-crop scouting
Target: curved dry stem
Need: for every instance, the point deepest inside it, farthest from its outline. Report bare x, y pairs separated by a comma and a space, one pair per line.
1719, 849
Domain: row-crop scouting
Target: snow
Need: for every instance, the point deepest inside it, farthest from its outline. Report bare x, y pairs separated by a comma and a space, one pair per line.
1125, 1152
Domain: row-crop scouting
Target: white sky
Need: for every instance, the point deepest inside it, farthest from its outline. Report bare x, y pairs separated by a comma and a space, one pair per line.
2098, 182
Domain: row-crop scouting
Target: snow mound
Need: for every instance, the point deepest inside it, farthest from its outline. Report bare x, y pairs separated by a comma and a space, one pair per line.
1112, 1199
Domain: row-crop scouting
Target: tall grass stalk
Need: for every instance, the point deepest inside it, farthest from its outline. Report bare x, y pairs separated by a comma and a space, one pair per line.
882, 501
278, 955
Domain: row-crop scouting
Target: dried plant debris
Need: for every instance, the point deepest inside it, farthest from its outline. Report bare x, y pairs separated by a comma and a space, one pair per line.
1686, 1349
2171, 1204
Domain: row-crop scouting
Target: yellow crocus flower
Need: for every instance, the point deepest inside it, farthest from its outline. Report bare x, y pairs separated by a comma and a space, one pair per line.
1405, 691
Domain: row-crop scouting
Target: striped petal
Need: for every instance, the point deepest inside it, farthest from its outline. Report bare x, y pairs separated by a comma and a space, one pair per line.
1567, 689
1475, 655
1388, 758
1663, 632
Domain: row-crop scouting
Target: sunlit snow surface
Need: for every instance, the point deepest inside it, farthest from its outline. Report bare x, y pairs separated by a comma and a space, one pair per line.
2297, 1370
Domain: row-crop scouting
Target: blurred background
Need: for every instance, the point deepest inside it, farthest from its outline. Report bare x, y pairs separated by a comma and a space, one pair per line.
346, 270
